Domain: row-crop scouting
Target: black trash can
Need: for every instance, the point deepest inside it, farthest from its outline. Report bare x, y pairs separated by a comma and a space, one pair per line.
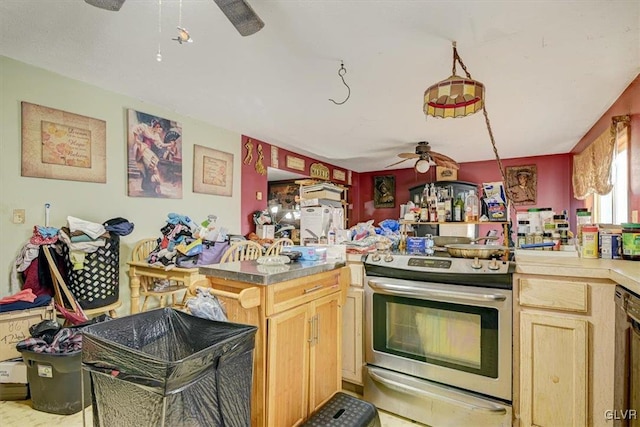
167, 368
343, 410
55, 381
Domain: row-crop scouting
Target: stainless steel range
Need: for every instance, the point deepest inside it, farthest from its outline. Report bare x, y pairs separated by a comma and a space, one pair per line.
438, 338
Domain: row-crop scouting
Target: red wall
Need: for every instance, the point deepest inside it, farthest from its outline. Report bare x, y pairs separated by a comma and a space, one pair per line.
253, 182
627, 103
554, 184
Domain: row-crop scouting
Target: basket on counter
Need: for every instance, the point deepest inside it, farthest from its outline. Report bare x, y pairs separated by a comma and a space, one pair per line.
98, 283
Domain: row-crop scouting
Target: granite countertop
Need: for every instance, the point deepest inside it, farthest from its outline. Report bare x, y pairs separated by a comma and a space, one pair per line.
623, 272
252, 272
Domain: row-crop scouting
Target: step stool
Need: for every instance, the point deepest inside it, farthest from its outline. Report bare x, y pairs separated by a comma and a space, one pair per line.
344, 410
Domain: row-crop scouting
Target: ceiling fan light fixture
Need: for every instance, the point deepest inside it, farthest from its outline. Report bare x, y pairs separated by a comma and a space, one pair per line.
455, 96
423, 165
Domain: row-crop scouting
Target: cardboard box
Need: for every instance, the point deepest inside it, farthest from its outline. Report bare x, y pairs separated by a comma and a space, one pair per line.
266, 231
14, 391
13, 371
14, 327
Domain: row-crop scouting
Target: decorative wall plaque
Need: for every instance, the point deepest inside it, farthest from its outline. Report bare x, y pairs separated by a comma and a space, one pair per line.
318, 170
339, 175
274, 157
295, 163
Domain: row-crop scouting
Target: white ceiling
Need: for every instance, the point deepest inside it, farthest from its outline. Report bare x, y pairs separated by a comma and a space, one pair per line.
551, 68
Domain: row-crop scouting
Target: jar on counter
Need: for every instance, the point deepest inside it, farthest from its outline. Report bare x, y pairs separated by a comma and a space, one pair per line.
537, 238
563, 230
522, 239
630, 241
546, 238
529, 239
590, 241
523, 227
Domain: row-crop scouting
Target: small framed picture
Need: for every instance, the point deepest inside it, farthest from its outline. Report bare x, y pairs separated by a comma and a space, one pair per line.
522, 183
384, 191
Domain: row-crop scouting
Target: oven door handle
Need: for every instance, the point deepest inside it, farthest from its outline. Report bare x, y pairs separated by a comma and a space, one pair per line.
422, 291
438, 393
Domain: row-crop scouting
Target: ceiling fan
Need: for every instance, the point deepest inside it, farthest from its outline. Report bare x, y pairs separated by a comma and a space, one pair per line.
427, 158
238, 12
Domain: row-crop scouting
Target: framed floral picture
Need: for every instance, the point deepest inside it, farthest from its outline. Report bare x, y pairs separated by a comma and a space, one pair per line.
57, 144
522, 183
384, 191
212, 171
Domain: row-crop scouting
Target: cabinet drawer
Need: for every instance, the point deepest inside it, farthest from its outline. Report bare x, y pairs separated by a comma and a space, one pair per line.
286, 295
554, 294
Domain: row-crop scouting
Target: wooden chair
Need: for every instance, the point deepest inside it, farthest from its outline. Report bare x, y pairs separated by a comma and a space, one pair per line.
241, 251
276, 246
65, 298
148, 290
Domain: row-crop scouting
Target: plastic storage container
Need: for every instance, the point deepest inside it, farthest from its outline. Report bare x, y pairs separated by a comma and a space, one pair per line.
166, 367
55, 382
589, 241
343, 410
631, 241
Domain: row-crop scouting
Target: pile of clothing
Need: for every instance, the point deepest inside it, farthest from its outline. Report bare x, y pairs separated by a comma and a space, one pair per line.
30, 270
186, 244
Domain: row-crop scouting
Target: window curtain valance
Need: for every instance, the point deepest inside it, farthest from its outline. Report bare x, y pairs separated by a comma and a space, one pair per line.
592, 167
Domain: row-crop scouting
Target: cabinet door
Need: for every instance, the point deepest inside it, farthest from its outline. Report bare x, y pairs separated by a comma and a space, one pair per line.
325, 367
288, 366
352, 315
553, 370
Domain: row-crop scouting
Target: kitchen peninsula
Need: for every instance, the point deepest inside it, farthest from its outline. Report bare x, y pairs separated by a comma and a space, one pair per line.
297, 308
565, 363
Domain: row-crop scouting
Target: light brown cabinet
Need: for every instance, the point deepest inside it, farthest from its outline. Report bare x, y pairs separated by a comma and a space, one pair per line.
298, 343
303, 353
563, 350
352, 324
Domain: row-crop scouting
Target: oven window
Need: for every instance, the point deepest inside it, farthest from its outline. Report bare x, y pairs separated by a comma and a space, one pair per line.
457, 336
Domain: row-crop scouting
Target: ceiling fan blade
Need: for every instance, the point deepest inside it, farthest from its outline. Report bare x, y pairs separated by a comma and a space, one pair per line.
444, 161
396, 163
113, 5
408, 155
241, 16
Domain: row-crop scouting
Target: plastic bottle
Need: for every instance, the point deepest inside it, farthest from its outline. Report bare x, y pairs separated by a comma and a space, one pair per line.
471, 207
583, 217
589, 241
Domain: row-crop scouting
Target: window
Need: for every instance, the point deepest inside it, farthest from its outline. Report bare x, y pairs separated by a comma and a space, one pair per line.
613, 208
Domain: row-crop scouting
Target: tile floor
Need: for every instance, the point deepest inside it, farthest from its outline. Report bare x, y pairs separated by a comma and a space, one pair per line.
20, 414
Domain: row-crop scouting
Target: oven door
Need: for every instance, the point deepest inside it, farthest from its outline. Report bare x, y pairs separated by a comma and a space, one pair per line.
456, 335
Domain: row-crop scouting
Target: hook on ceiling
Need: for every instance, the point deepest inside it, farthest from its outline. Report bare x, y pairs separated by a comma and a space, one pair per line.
341, 72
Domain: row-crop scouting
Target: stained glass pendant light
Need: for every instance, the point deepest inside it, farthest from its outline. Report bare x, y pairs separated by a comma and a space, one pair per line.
456, 96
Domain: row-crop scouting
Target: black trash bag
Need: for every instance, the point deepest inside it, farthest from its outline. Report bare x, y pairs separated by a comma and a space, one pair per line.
166, 367
45, 330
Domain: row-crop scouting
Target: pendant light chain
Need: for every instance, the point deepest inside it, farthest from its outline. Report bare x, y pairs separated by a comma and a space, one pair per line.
159, 54
486, 119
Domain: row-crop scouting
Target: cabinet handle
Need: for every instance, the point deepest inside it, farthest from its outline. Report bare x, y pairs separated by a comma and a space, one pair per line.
317, 327
311, 322
315, 288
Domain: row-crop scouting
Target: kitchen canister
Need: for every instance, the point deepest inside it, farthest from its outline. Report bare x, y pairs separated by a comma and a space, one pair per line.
590, 241
631, 241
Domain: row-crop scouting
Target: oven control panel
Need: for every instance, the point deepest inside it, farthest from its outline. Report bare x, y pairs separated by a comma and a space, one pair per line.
425, 264
429, 263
